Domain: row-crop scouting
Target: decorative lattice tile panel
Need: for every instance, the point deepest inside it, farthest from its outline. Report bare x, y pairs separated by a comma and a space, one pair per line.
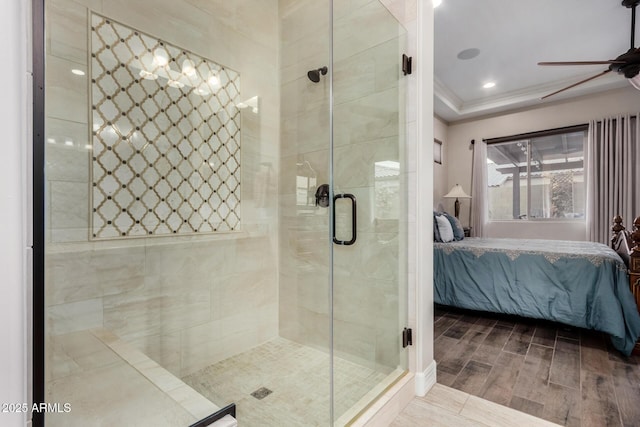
166, 137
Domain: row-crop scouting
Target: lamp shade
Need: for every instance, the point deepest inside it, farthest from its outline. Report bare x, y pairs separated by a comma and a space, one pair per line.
457, 193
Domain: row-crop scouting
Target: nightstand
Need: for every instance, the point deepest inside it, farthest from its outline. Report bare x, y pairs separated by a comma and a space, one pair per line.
467, 231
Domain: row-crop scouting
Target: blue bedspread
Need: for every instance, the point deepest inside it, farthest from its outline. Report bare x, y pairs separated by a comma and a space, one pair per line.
582, 284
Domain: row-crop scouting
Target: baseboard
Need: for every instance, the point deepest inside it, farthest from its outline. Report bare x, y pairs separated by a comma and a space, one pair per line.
426, 379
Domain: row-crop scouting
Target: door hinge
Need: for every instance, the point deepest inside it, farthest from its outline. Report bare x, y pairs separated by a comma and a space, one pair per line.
407, 339
406, 64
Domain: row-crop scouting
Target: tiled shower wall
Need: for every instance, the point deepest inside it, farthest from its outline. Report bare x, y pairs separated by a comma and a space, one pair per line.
369, 127
186, 301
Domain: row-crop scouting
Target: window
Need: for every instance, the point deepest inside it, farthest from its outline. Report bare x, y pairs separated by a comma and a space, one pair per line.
538, 175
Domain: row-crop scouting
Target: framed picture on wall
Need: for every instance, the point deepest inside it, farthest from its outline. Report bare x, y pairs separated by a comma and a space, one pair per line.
437, 151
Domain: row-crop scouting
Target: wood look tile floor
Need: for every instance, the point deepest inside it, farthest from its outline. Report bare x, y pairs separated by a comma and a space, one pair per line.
569, 376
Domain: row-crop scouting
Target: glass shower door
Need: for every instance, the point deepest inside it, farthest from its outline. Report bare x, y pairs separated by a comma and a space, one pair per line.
370, 188
188, 263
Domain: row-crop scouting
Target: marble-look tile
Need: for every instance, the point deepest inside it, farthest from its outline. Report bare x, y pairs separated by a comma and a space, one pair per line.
253, 254
75, 352
216, 340
67, 235
95, 5
181, 24
192, 401
164, 304
257, 20
354, 341
304, 53
389, 352
74, 316
376, 258
305, 132
373, 70
368, 118
67, 96
164, 348
67, 29
67, 153
355, 164
303, 95
79, 275
189, 260
378, 307
367, 26
312, 291
304, 18
301, 175
242, 293
69, 205
116, 395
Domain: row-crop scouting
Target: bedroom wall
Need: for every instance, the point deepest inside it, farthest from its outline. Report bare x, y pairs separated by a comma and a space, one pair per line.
577, 111
440, 132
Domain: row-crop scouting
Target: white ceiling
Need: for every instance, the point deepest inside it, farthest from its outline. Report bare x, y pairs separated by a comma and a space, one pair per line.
513, 36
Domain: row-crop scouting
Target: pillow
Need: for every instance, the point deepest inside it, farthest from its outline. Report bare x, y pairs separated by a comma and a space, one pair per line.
436, 233
444, 228
458, 231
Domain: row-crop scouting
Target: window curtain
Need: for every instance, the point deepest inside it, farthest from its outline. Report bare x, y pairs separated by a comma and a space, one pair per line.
479, 201
613, 171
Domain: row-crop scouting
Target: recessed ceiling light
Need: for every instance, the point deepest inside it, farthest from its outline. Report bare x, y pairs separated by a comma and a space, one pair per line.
77, 72
436, 3
488, 85
468, 53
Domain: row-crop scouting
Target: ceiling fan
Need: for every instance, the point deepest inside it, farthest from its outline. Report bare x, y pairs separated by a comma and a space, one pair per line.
627, 64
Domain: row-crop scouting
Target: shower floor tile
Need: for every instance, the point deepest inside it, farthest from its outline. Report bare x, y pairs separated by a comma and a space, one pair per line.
298, 377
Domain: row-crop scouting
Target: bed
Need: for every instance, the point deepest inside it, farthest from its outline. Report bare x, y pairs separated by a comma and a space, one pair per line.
627, 245
582, 284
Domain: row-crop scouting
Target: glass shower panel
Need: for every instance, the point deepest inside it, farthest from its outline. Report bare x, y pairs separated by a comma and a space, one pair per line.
369, 276
188, 263
163, 164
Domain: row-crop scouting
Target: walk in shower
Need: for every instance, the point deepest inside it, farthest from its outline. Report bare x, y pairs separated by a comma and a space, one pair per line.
226, 209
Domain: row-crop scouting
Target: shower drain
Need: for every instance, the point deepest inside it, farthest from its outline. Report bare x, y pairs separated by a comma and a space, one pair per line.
261, 393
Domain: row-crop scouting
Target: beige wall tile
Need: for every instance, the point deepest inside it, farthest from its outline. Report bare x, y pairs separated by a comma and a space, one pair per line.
163, 348
67, 153
211, 342
74, 316
67, 96
69, 205
366, 26
164, 304
242, 293
67, 29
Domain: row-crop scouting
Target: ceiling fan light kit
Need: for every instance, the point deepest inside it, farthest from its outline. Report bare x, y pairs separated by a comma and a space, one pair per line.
627, 64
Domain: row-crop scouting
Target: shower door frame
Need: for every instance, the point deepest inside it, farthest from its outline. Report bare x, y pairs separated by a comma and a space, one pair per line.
38, 203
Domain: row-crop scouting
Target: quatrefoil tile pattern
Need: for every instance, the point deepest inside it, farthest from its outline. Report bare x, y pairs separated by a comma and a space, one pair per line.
166, 137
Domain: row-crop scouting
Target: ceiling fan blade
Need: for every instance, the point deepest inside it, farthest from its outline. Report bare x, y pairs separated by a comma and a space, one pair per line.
582, 62
579, 83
